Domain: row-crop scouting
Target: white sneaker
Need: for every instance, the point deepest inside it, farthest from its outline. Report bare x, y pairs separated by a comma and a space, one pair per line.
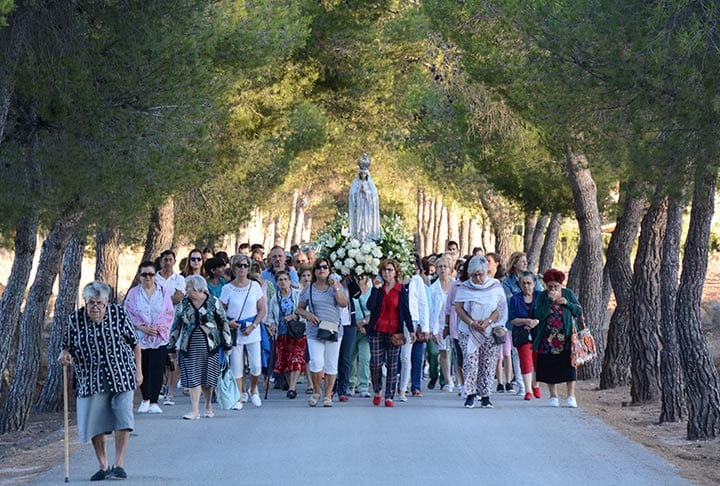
448, 388
244, 397
554, 402
255, 399
571, 402
144, 407
155, 408
169, 401
460, 390
237, 406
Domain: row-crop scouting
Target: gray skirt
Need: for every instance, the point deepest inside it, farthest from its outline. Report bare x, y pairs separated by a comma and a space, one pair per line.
104, 413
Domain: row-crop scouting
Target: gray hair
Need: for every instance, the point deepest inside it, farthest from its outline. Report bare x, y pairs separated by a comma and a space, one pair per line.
477, 263
197, 282
240, 258
98, 290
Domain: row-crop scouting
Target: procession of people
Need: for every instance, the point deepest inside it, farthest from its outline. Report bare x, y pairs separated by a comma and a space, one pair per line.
294, 318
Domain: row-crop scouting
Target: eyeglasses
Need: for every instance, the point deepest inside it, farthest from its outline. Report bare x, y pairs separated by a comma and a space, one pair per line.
478, 274
195, 259
526, 283
147, 274
388, 269
96, 303
242, 265
323, 267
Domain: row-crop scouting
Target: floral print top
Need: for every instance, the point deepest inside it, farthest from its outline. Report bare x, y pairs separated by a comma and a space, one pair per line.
553, 340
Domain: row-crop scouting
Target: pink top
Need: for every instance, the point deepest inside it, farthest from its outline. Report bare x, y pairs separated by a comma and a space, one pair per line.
157, 312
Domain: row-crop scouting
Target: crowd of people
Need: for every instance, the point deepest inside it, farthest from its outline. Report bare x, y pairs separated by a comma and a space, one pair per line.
472, 325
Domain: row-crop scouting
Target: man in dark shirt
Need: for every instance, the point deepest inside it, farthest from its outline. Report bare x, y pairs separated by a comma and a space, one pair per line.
100, 342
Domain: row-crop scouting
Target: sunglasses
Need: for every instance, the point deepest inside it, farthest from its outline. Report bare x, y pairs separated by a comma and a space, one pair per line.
323, 267
195, 259
242, 265
147, 274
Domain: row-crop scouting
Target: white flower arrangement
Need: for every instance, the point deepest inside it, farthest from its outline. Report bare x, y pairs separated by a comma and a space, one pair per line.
351, 257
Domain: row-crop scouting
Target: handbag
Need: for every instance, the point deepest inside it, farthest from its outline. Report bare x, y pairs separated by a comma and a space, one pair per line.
243, 325
296, 327
227, 390
583, 345
328, 331
499, 334
398, 339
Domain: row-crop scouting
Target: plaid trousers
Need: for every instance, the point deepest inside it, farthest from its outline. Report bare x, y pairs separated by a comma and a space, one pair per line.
382, 351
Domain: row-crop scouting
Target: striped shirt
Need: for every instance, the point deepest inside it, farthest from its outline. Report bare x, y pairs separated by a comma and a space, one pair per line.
102, 353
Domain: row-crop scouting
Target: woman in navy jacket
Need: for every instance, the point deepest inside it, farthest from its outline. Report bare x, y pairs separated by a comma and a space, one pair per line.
389, 311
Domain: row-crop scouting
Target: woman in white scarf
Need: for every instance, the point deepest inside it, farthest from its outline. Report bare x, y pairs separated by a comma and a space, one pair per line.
481, 306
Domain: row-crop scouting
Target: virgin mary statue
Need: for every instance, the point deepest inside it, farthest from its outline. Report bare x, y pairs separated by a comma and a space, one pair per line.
363, 205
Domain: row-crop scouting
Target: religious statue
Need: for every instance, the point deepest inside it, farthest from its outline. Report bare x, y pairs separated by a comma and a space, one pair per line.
363, 205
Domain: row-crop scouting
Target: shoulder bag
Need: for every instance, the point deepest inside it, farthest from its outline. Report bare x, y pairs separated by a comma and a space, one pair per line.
583, 344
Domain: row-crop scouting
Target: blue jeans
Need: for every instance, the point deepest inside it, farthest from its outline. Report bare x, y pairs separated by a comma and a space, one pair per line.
346, 346
416, 358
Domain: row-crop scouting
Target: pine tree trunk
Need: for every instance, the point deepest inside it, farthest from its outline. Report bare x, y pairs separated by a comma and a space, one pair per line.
547, 252
107, 261
503, 241
307, 226
616, 363
533, 252
671, 377
585, 277
702, 383
420, 230
453, 230
438, 242
531, 221
299, 221
22, 392
12, 298
645, 323
464, 234
161, 231
51, 395
291, 223
430, 224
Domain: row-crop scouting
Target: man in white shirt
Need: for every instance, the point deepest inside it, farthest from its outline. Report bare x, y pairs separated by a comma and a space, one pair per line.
172, 282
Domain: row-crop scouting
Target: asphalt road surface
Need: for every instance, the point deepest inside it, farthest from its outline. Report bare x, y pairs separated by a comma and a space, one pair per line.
431, 440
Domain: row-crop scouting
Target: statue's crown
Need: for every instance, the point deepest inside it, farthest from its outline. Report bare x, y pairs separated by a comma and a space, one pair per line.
364, 162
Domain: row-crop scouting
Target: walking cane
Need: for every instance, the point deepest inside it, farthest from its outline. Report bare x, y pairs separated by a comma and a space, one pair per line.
67, 423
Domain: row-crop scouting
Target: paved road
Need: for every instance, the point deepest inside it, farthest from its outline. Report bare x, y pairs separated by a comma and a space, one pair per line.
431, 440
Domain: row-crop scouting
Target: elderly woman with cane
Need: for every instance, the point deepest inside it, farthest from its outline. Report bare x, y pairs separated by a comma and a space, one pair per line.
482, 311
100, 342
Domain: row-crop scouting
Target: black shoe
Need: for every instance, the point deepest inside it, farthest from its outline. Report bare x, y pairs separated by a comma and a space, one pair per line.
431, 383
470, 401
291, 394
509, 387
101, 474
118, 473
485, 402
500, 388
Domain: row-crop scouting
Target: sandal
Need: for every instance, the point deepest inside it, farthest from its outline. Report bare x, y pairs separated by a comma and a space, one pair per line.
327, 402
190, 416
314, 400
309, 390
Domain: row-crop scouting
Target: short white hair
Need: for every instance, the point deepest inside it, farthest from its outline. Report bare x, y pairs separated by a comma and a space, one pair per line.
98, 290
197, 282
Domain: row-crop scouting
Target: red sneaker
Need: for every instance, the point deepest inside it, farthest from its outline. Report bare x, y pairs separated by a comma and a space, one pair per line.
344, 398
528, 396
537, 392
376, 401
389, 403
417, 393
